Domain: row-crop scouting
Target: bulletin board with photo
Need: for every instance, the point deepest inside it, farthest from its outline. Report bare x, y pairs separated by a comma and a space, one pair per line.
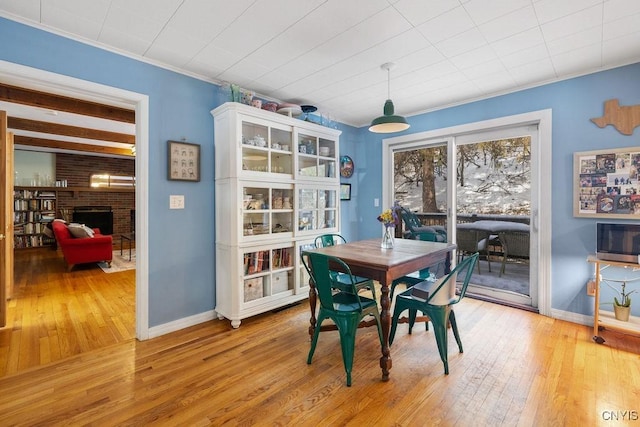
606, 183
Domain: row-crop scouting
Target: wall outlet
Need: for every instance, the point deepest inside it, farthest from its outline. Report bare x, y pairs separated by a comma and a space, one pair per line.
376, 203
176, 202
591, 287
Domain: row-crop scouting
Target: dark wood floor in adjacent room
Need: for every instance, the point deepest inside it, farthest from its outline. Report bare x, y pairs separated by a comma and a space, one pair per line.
518, 368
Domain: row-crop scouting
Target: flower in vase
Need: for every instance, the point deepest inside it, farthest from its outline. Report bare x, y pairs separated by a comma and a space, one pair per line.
389, 217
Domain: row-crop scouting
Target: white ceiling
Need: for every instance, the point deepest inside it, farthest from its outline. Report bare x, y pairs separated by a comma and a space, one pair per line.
328, 53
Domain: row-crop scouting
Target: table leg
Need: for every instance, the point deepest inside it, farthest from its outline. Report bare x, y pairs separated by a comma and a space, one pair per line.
385, 317
312, 306
121, 239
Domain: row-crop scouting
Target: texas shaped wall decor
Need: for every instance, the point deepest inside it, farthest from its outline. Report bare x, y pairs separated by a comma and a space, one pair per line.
624, 119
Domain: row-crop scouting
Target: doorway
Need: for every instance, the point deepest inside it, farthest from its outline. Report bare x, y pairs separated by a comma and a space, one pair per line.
27, 77
530, 135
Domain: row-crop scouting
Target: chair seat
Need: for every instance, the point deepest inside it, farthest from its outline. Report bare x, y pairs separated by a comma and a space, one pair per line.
343, 301
345, 279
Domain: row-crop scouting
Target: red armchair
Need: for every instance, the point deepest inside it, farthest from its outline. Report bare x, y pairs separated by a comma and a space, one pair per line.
82, 250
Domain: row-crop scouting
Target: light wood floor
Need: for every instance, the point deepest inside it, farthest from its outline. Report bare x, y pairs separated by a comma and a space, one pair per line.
518, 368
55, 314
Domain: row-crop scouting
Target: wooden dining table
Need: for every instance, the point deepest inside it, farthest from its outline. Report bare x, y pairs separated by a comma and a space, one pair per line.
367, 259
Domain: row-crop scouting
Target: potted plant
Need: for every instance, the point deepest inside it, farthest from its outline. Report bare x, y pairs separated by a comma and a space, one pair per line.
621, 302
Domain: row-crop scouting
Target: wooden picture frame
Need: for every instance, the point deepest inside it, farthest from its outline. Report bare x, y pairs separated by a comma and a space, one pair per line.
345, 191
183, 161
607, 183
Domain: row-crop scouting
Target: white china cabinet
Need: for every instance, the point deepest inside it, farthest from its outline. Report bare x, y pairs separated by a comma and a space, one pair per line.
277, 187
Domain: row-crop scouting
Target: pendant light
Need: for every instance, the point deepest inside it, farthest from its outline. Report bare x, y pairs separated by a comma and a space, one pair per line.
388, 122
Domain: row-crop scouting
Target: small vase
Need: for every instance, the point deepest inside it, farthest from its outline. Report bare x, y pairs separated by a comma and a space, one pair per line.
387, 237
621, 313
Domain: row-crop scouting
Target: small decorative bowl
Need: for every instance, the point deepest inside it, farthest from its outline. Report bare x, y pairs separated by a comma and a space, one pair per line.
270, 106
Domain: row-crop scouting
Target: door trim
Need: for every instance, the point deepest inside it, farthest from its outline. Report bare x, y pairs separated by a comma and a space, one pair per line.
33, 78
540, 220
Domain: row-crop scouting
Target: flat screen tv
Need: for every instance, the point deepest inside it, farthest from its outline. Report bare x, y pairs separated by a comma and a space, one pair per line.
618, 242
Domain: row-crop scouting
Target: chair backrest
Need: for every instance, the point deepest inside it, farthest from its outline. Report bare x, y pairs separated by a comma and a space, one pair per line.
417, 231
516, 243
410, 219
322, 276
443, 291
469, 240
329, 240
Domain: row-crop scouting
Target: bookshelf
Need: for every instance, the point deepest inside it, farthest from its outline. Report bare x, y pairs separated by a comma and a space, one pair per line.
33, 209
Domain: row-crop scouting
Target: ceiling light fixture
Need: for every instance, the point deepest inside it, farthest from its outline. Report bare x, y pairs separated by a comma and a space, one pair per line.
388, 122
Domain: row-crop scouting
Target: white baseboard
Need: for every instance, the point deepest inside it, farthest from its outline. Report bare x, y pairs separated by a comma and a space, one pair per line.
185, 322
580, 319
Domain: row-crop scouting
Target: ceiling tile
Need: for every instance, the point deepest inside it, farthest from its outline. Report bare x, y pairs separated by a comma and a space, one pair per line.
616, 9
261, 23
523, 40
29, 9
482, 11
524, 56
621, 50
68, 22
575, 41
447, 25
216, 58
474, 57
550, 10
533, 72
509, 25
418, 12
204, 19
124, 41
95, 10
497, 82
572, 24
461, 43
485, 69
577, 61
621, 27
138, 27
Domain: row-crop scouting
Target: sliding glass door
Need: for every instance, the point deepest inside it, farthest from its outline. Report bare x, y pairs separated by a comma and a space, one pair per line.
480, 187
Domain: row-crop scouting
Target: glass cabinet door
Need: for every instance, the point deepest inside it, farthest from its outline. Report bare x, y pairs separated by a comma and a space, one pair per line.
316, 156
307, 209
266, 148
317, 209
267, 210
281, 159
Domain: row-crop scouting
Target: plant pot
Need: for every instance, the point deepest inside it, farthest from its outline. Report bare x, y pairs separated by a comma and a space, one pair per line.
621, 313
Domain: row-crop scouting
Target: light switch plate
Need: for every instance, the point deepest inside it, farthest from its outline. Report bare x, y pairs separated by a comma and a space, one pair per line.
176, 201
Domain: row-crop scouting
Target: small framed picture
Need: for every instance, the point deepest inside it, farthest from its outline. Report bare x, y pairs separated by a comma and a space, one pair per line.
184, 161
345, 191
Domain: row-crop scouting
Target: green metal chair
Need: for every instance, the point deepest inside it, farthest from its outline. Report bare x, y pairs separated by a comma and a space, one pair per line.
341, 280
438, 304
417, 231
346, 308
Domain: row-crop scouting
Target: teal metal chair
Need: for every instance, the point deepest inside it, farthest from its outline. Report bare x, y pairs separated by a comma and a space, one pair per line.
416, 231
346, 308
341, 281
436, 301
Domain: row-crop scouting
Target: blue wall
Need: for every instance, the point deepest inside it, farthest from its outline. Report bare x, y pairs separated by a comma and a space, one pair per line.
182, 257
573, 103
181, 248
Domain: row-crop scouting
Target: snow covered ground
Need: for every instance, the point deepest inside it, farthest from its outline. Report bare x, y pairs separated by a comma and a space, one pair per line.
499, 191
